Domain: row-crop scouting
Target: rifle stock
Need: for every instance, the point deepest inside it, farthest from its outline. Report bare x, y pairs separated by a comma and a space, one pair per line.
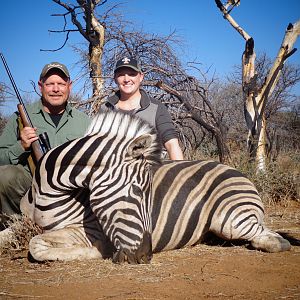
36, 147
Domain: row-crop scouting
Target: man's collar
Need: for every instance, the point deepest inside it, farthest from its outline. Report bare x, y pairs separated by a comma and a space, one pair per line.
69, 109
39, 107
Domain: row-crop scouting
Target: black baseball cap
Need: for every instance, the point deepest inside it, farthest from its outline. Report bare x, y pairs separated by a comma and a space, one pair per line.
128, 62
54, 65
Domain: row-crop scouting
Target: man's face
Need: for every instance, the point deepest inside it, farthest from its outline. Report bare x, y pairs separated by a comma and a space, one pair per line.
55, 89
128, 80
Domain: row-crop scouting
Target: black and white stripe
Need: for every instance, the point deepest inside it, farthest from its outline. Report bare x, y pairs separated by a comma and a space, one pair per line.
100, 182
101, 188
193, 198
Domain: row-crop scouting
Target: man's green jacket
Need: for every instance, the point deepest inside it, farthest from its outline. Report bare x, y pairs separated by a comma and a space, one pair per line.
72, 124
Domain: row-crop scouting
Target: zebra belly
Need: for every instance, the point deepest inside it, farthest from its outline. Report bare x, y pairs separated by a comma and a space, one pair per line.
191, 198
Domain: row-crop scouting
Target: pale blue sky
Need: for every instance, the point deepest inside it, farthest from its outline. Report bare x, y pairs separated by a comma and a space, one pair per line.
207, 37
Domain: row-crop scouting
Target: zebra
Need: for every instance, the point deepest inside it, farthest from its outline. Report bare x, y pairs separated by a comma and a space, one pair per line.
183, 202
83, 187
192, 199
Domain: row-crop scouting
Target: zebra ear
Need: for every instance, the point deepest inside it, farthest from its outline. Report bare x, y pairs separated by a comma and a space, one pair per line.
138, 147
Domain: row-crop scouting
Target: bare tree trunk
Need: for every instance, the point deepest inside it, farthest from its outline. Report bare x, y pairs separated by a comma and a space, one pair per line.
261, 147
95, 53
255, 98
94, 33
292, 32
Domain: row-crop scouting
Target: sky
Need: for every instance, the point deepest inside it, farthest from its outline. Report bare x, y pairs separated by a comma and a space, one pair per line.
208, 38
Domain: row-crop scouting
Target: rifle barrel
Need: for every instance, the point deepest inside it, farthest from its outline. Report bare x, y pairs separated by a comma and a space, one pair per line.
38, 146
14, 86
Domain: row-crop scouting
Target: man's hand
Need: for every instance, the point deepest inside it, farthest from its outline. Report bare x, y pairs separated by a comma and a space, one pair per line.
28, 136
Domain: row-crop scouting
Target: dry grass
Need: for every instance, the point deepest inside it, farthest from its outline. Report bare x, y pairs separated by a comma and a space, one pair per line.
22, 230
279, 184
200, 272
281, 181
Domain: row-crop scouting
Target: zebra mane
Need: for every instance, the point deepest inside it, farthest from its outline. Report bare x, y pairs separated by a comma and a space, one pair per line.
126, 126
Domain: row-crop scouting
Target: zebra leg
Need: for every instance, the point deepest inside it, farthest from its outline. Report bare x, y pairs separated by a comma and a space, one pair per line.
270, 241
63, 244
251, 229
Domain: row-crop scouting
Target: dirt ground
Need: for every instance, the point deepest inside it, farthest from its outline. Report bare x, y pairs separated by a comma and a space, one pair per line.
202, 272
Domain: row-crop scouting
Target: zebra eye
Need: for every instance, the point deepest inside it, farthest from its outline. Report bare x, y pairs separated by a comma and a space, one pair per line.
117, 245
103, 219
137, 191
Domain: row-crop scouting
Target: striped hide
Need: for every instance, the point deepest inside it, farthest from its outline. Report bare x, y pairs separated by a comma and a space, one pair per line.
106, 195
84, 190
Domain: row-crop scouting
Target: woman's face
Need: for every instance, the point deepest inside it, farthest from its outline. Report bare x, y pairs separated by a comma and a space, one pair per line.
128, 81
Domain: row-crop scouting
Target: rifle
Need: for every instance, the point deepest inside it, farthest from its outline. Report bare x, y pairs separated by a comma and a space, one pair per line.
40, 146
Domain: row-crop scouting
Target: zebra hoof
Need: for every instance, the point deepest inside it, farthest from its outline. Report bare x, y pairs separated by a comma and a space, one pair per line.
271, 243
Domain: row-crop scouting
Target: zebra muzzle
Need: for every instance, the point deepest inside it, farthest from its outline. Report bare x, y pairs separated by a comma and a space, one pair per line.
142, 255
144, 252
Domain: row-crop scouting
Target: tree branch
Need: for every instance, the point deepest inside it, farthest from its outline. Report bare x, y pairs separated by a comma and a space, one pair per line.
285, 51
231, 21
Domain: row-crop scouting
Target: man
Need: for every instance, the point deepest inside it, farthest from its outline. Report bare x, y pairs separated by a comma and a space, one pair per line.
131, 98
53, 115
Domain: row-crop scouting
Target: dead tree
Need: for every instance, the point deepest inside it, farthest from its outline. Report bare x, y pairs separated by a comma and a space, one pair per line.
159, 60
92, 30
196, 116
256, 97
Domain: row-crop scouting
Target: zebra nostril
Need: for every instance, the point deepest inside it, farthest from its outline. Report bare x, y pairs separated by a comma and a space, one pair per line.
119, 257
144, 252
146, 259
131, 259
149, 258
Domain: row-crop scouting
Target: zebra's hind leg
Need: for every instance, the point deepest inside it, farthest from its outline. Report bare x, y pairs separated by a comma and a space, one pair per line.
270, 241
63, 244
251, 228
